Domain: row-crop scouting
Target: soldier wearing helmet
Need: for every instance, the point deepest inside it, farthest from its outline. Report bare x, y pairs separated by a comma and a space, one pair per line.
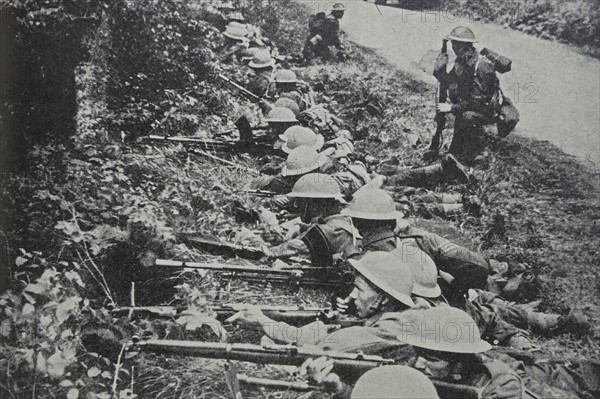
325, 33
279, 120
373, 212
449, 347
263, 66
321, 232
473, 89
286, 85
301, 160
426, 289
381, 292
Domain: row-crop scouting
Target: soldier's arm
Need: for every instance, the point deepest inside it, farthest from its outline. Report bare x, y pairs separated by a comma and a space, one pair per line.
469, 269
484, 89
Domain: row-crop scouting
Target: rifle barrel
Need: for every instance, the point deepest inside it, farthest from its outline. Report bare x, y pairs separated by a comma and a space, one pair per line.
297, 271
347, 364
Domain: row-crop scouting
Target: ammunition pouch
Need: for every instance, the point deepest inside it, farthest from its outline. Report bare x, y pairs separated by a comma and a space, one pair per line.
318, 247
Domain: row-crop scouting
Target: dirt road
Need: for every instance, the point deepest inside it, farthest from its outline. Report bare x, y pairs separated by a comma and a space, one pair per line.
557, 90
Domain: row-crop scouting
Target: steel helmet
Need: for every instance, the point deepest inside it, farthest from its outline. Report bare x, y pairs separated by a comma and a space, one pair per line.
226, 5
296, 136
236, 16
317, 185
372, 204
281, 115
424, 271
288, 103
462, 34
388, 273
394, 382
443, 329
247, 54
235, 32
285, 76
262, 59
302, 160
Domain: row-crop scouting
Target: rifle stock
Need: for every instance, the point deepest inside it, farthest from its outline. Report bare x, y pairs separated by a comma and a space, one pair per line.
348, 365
440, 117
258, 147
247, 93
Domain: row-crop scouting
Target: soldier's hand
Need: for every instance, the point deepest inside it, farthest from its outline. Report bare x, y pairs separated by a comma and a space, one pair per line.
318, 371
251, 314
442, 60
444, 107
342, 304
377, 181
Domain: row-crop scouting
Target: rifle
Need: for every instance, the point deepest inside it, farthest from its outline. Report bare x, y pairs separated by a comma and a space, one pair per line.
349, 365
260, 193
296, 275
253, 146
294, 315
247, 93
440, 117
229, 249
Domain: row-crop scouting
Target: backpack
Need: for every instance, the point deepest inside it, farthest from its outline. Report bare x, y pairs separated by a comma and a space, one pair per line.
501, 63
315, 22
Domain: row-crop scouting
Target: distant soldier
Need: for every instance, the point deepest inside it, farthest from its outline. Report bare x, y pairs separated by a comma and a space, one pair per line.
263, 66
473, 90
236, 44
324, 32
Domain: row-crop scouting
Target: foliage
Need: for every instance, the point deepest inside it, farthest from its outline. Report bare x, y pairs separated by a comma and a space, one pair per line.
573, 22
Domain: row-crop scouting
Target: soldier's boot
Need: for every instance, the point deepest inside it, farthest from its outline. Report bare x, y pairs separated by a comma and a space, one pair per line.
423, 176
454, 170
553, 324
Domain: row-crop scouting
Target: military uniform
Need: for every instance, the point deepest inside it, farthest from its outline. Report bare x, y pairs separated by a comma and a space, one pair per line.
259, 83
473, 89
551, 377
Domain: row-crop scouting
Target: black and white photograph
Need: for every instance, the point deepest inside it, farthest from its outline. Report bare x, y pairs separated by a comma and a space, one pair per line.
300, 199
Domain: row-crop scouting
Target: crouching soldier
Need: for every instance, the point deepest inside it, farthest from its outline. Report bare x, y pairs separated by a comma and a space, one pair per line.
324, 33
474, 93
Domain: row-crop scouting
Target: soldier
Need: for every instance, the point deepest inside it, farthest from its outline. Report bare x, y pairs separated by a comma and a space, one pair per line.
263, 66
236, 43
374, 214
449, 347
318, 200
287, 85
381, 293
324, 32
279, 120
385, 382
302, 160
473, 88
